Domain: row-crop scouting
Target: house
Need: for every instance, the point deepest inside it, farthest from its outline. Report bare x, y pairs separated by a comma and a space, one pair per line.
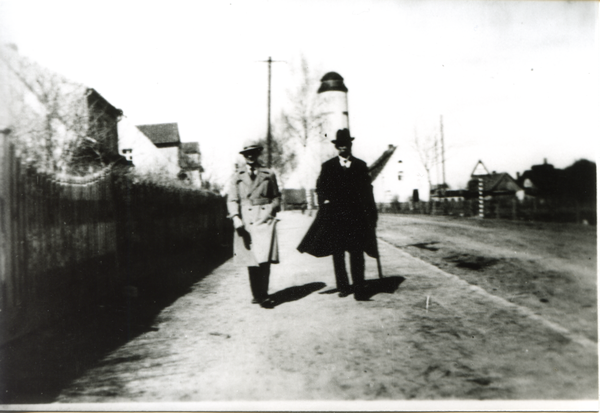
398, 178
492, 184
376, 167
142, 153
164, 136
77, 125
103, 119
189, 163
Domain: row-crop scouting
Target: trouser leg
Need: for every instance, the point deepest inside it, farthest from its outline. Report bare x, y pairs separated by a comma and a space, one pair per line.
266, 274
339, 267
259, 280
357, 267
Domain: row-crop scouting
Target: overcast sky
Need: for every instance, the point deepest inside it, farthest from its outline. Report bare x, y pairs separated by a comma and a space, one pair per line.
515, 81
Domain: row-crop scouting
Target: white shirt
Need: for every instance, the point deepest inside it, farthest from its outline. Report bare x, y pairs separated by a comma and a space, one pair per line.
345, 162
249, 169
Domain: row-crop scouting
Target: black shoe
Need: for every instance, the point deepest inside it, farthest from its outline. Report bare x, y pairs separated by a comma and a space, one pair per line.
259, 300
345, 292
267, 303
361, 294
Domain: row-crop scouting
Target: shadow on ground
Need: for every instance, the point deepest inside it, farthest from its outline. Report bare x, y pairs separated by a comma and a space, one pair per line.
36, 367
388, 285
295, 293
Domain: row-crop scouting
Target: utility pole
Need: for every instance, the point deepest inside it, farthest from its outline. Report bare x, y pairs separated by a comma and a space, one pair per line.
269, 138
443, 153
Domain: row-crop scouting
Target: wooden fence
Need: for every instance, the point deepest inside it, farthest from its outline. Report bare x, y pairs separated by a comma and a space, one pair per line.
530, 209
66, 242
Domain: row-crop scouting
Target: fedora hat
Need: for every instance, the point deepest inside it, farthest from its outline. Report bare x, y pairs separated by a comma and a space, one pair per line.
251, 148
342, 136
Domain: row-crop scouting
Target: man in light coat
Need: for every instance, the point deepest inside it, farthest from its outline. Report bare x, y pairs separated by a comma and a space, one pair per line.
253, 202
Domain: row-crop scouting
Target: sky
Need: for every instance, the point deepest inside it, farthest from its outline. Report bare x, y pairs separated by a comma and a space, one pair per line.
514, 82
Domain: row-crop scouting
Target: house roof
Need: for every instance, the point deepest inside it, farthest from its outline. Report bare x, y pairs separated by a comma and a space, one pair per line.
497, 181
163, 134
190, 147
376, 167
94, 96
480, 169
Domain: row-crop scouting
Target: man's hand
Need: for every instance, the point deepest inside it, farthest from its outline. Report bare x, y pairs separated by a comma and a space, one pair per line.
241, 231
237, 222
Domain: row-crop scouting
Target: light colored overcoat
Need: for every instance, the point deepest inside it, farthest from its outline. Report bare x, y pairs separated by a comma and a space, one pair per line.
256, 202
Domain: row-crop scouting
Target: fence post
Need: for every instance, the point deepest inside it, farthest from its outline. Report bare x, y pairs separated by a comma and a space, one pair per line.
6, 241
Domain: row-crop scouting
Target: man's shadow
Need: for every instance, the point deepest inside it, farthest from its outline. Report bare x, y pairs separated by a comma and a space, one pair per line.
295, 293
387, 285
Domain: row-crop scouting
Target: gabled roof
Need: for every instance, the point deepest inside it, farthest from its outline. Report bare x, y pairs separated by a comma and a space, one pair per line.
95, 97
376, 167
480, 169
163, 134
497, 182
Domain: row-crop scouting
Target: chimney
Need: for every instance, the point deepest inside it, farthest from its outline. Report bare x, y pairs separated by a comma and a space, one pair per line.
545, 161
518, 175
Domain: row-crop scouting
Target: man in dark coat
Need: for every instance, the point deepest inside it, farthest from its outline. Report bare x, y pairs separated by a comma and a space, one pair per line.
347, 216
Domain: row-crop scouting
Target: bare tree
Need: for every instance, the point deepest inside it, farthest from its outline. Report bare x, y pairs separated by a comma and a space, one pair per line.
302, 124
303, 121
426, 148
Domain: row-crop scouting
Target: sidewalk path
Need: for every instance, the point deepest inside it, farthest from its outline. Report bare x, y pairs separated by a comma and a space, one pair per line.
213, 344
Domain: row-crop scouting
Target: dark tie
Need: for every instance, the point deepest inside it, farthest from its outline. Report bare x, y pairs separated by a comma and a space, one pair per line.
252, 173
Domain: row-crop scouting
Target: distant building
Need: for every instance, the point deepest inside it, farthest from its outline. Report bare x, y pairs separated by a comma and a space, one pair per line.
164, 136
142, 153
102, 118
333, 102
494, 184
189, 162
39, 105
332, 113
398, 178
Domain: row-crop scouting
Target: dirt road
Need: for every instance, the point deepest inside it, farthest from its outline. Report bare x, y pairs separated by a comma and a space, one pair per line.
427, 333
549, 268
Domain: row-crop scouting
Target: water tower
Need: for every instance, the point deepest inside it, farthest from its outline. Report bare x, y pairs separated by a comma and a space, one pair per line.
333, 95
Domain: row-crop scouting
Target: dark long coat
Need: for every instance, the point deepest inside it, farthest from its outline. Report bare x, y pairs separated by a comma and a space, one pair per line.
257, 203
347, 214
